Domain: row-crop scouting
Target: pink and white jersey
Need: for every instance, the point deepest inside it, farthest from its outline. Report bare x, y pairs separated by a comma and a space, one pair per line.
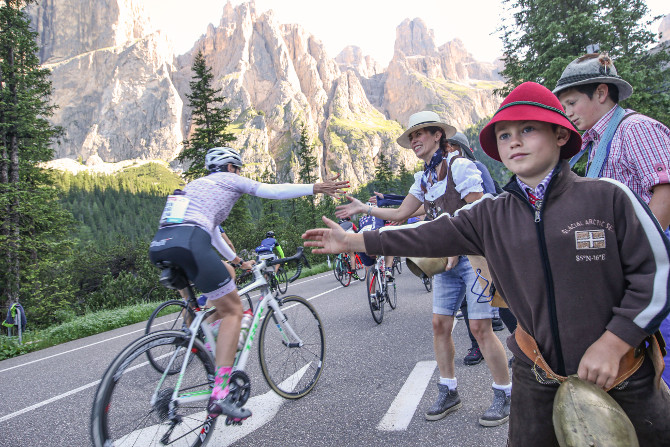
206, 202
211, 198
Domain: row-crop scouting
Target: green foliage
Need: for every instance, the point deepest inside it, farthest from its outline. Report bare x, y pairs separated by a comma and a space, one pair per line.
210, 117
33, 227
125, 205
546, 35
497, 170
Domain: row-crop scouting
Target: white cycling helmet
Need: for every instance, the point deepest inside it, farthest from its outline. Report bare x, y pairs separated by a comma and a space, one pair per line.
218, 157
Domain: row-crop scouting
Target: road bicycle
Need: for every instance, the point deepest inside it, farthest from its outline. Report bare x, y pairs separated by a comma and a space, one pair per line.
397, 265
165, 402
343, 272
384, 291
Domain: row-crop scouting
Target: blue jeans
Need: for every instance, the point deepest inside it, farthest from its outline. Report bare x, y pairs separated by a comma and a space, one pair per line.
453, 286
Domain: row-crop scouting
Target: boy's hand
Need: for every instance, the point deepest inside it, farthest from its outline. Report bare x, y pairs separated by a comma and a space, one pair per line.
452, 261
600, 362
348, 210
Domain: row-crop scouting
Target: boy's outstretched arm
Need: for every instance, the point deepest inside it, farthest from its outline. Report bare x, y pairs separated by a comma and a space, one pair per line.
333, 239
600, 362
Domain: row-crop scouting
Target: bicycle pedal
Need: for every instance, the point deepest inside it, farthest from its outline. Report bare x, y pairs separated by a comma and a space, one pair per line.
233, 421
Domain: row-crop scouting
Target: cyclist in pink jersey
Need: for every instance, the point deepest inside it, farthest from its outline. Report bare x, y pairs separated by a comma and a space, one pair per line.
189, 233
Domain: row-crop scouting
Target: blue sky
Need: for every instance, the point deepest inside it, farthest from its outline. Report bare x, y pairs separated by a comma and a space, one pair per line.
370, 24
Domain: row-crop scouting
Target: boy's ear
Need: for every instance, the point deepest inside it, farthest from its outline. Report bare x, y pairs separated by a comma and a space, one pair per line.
562, 136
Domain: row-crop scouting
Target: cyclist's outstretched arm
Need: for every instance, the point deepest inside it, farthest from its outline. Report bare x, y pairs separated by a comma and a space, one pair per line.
291, 191
406, 209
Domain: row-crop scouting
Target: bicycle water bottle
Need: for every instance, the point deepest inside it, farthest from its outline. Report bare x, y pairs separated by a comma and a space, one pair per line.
247, 318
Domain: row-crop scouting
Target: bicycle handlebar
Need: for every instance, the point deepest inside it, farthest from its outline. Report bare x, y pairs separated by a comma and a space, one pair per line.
298, 257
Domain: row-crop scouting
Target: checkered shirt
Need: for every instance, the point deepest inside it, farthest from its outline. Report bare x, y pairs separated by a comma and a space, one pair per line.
640, 153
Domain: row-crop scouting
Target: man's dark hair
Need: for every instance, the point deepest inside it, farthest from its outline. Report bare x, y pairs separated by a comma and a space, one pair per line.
589, 90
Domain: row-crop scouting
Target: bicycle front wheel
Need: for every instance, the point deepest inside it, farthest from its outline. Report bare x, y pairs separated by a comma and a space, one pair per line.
291, 365
375, 299
123, 413
282, 280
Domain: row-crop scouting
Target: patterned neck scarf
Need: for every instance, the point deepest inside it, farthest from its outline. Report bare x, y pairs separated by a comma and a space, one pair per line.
430, 170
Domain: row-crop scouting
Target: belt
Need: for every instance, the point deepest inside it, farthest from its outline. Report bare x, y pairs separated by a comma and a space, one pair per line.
630, 362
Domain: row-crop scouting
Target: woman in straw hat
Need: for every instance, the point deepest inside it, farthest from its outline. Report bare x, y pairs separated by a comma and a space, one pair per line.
448, 182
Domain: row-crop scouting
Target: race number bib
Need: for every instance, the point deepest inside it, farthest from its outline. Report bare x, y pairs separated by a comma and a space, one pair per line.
175, 209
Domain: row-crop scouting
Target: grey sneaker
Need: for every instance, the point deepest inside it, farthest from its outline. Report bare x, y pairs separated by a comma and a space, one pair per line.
447, 401
498, 412
228, 407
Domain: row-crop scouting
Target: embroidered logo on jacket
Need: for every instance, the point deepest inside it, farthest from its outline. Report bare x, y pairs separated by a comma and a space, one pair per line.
590, 239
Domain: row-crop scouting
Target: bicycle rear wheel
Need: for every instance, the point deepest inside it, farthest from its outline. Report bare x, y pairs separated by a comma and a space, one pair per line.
397, 264
337, 268
291, 368
170, 315
375, 299
391, 295
123, 414
359, 266
345, 278
282, 280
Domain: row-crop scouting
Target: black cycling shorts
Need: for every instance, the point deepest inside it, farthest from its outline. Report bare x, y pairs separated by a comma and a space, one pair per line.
190, 248
367, 261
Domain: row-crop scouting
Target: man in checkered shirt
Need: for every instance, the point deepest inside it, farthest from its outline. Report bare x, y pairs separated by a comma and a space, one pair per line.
638, 153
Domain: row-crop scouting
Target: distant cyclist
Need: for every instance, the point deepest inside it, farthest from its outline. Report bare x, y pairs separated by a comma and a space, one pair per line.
266, 250
348, 226
188, 236
368, 223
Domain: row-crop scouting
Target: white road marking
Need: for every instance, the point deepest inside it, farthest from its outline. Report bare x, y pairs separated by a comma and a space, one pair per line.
140, 330
403, 407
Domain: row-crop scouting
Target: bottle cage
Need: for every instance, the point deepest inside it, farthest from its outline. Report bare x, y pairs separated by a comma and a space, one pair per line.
482, 297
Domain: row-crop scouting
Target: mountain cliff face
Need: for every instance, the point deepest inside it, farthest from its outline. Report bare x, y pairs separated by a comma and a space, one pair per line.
121, 90
112, 80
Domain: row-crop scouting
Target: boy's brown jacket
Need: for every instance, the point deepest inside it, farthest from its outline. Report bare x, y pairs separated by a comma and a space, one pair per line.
592, 258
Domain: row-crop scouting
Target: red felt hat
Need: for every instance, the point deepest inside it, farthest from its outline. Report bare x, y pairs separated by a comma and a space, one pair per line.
530, 101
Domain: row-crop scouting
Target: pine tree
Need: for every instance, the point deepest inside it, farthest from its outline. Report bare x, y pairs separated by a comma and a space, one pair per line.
307, 174
209, 116
32, 224
383, 175
546, 35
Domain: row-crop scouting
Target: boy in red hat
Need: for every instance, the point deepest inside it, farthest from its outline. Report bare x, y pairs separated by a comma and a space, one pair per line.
582, 264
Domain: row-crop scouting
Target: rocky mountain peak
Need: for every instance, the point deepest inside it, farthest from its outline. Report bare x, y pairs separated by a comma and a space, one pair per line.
664, 29
71, 27
352, 58
413, 38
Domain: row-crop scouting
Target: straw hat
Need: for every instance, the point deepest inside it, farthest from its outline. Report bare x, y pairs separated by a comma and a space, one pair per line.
592, 69
530, 101
423, 119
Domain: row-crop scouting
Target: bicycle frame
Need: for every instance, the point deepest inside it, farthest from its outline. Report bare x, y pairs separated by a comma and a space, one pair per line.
267, 300
379, 268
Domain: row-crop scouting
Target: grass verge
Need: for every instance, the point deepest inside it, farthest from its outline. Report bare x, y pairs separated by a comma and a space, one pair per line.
94, 323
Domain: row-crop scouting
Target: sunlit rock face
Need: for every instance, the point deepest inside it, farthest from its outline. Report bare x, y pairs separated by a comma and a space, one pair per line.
664, 29
111, 80
122, 92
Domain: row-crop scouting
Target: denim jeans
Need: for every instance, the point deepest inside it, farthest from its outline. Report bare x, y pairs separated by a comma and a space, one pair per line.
453, 286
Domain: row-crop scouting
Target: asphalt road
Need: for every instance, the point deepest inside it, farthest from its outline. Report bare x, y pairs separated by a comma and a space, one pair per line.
376, 384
